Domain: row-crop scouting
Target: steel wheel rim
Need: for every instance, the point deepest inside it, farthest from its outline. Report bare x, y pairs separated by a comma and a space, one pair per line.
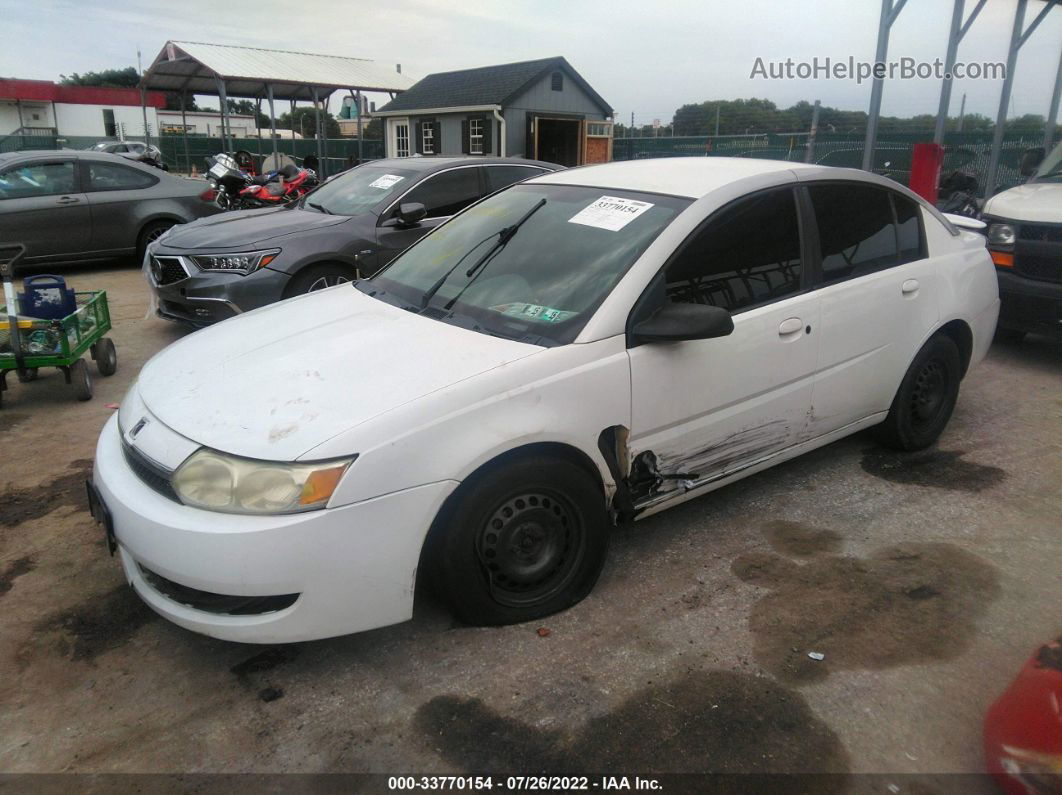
324, 282
530, 547
929, 396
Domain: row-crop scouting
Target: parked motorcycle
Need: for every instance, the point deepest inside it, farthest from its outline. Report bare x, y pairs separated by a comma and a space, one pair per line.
287, 185
238, 190
957, 194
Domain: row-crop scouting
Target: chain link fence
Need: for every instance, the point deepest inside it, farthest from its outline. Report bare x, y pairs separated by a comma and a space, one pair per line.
968, 152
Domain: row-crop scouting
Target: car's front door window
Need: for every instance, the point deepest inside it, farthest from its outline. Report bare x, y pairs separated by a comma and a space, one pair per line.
38, 179
447, 193
747, 255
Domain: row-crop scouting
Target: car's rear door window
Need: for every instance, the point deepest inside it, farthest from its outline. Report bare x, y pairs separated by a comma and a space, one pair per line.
448, 192
114, 176
499, 177
38, 179
910, 240
747, 254
857, 233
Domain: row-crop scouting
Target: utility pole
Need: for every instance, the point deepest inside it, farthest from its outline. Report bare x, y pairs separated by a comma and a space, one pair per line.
143, 98
632, 124
809, 151
717, 107
962, 112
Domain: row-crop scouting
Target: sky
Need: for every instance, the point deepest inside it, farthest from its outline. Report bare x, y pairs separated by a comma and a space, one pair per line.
643, 57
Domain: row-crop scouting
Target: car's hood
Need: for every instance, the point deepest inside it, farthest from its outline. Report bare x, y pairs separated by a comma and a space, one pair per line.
246, 227
1039, 202
277, 382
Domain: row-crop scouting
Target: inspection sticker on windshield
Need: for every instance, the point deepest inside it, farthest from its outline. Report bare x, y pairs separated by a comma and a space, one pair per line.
610, 212
386, 181
534, 312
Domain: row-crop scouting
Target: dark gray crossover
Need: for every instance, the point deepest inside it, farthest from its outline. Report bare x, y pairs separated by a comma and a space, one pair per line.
350, 226
66, 205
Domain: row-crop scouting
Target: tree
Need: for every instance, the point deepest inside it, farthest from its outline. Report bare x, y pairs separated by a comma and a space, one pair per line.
249, 108
108, 78
304, 122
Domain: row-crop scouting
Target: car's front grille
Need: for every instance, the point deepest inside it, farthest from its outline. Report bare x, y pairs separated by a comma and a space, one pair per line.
1048, 269
167, 270
149, 472
1038, 252
217, 603
1040, 233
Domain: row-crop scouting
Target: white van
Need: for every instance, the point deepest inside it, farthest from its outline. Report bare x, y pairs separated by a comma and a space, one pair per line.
1025, 240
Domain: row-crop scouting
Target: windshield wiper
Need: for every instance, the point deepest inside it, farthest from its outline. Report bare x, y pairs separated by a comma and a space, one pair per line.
504, 236
317, 206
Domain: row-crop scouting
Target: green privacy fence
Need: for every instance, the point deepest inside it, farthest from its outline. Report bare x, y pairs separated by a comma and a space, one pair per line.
892, 154
339, 153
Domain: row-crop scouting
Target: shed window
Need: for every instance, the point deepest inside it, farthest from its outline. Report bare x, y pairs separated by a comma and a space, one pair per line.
557, 81
475, 136
428, 145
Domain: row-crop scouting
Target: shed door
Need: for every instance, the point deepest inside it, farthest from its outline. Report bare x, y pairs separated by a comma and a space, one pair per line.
597, 142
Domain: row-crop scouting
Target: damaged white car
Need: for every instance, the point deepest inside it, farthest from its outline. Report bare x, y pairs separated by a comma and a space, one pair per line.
587, 347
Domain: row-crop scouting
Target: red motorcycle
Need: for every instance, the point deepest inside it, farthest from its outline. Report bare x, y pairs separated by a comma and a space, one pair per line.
285, 186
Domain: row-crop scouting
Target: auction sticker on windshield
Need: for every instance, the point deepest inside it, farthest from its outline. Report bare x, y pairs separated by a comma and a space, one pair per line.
610, 212
386, 181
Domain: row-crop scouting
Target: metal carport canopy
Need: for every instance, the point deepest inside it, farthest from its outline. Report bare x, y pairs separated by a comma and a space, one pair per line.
195, 68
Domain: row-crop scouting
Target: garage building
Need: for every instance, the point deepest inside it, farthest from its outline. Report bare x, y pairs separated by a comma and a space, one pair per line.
540, 109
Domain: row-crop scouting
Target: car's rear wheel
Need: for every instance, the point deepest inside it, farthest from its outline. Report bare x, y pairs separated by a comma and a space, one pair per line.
926, 397
319, 277
520, 542
149, 234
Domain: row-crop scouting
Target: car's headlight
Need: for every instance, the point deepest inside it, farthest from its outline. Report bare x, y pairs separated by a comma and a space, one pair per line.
218, 482
237, 263
1001, 235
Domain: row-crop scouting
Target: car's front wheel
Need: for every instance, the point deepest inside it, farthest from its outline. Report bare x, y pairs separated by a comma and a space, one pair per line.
319, 277
519, 542
926, 397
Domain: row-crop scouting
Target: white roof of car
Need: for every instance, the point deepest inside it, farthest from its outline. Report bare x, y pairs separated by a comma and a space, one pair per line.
678, 176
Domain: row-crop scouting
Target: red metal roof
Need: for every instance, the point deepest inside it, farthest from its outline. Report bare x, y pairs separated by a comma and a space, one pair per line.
47, 91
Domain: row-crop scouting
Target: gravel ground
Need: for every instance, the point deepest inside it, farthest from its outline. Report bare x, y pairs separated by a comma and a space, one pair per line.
924, 580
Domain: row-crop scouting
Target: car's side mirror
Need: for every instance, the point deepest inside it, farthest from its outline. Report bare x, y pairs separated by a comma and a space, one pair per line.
410, 213
678, 322
1031, 160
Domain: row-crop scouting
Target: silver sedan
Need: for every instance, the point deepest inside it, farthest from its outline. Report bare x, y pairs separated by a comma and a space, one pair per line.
67, 205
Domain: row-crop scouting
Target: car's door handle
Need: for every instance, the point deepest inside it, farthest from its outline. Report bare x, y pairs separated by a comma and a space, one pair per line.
68, 200
910, 287
790, 326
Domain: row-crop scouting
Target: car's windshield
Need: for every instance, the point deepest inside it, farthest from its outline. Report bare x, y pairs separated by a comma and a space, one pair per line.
541, 282
360, 189
1051, 168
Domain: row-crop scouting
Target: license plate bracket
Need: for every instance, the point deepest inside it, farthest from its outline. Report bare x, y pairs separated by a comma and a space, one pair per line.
102, 515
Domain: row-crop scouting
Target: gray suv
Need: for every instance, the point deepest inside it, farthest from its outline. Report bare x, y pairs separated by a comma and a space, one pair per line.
351, 226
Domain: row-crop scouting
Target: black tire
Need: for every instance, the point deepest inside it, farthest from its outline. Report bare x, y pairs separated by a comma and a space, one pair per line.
318, 277
27, 375
106, 356
149, 233
1008, 336
926, 397
519, 542
81, 380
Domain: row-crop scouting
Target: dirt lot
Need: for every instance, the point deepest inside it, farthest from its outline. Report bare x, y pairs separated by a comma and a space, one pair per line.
925, 580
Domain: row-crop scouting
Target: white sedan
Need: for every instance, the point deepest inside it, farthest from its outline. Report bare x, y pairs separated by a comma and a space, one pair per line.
585, 348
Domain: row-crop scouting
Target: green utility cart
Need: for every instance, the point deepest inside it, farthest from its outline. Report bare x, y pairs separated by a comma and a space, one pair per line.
29, 343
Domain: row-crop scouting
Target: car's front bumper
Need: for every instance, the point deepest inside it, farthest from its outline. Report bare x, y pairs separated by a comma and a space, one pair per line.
202, 298
349, 568
1030, 305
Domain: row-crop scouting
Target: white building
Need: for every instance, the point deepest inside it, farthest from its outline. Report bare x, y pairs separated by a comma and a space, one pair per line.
206, 123
45, 108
